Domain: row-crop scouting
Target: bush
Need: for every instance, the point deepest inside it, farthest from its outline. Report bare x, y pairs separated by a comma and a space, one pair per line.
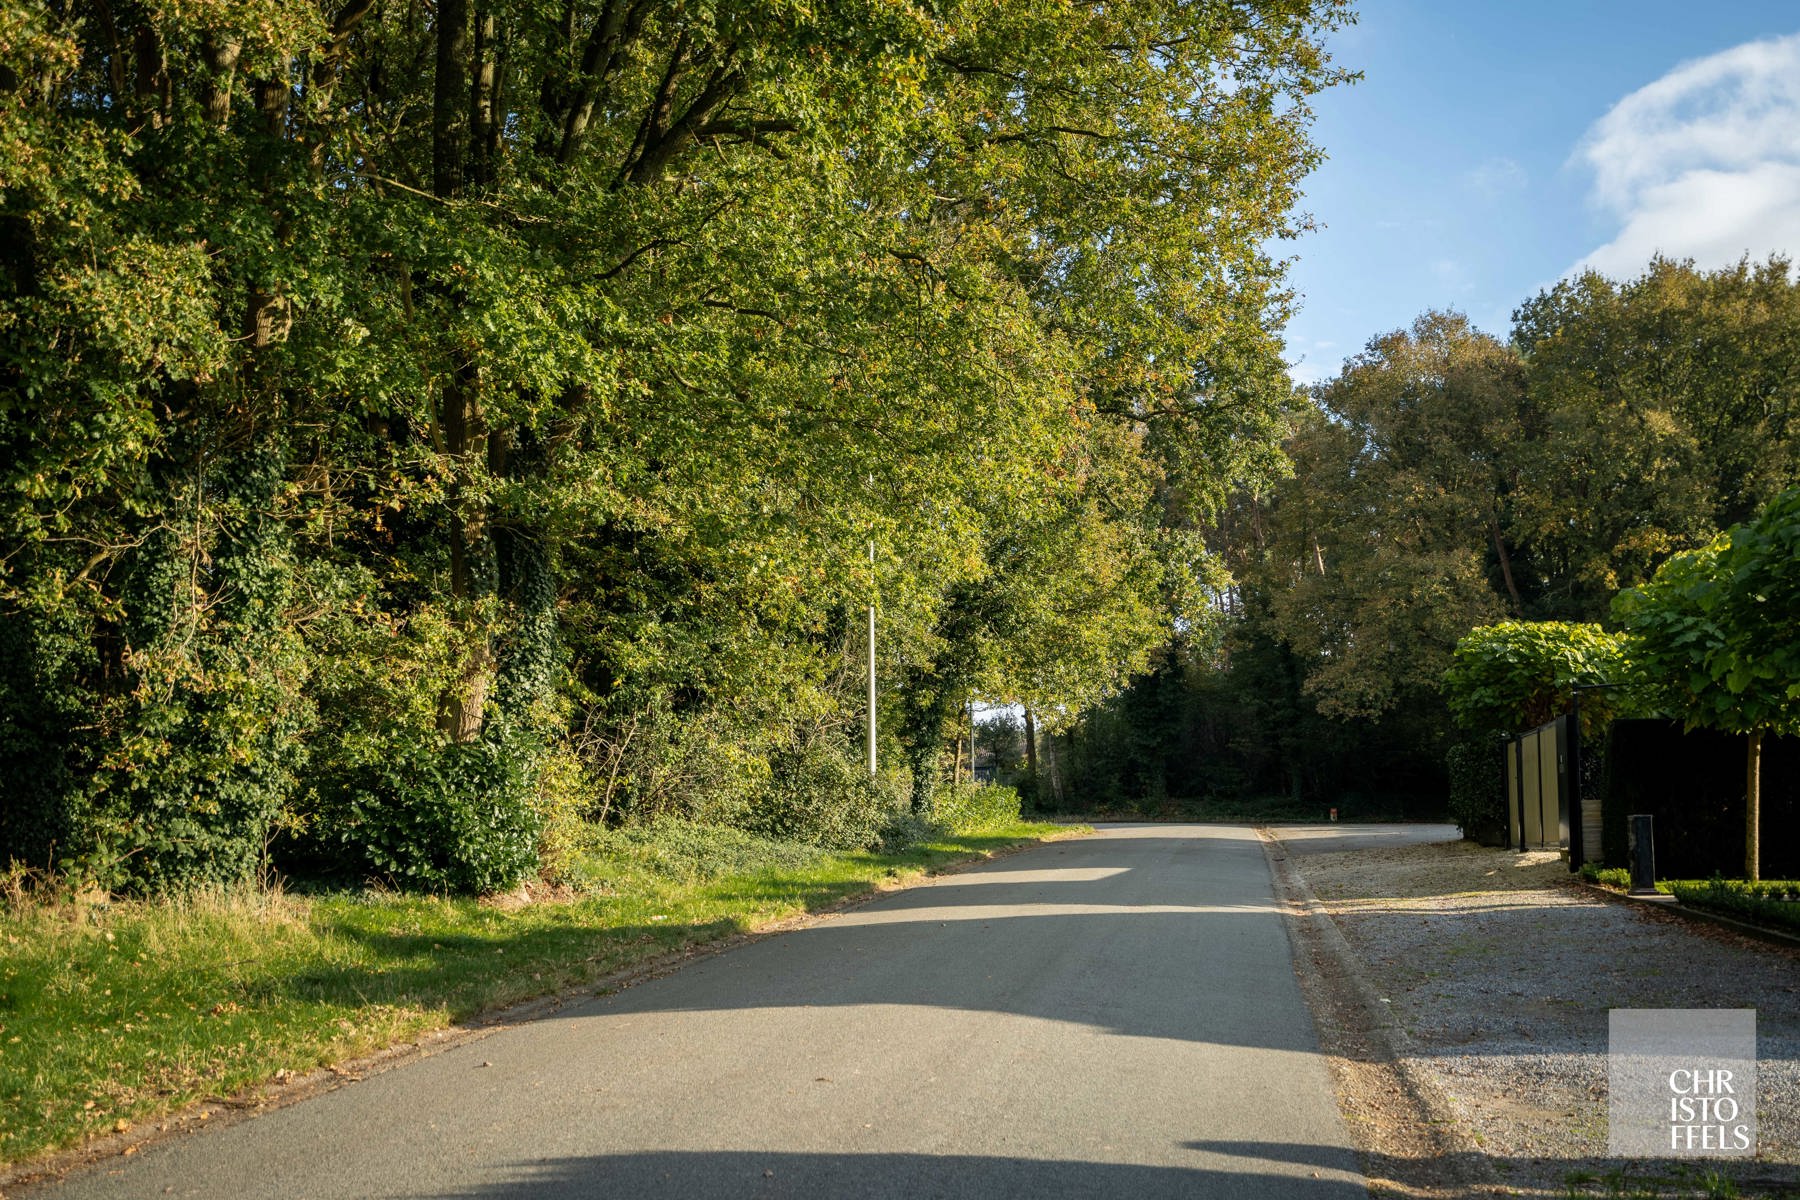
1612, 877
432, 816
1478, 790
1774, 903
560, 801
973, 807
152, 744
819, 795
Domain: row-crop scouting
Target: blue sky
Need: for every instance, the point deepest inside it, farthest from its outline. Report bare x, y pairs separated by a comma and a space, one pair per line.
1493, 147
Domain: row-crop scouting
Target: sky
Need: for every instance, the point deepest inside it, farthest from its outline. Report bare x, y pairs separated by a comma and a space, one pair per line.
1495, 146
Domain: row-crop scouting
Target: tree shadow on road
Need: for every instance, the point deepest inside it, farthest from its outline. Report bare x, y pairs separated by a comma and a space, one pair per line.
680, 1175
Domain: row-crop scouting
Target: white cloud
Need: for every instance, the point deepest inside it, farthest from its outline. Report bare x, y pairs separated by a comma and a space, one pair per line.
1704, 163
1496, 176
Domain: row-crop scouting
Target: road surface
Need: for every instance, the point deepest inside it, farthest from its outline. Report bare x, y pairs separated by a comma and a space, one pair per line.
1111, 1016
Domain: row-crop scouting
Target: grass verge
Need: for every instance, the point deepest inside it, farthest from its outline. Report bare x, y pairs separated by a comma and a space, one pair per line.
111, 1014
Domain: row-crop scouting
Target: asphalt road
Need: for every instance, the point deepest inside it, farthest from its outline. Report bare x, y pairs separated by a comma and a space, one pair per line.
1114, 1016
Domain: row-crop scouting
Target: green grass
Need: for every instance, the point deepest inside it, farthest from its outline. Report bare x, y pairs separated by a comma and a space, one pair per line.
115, 1013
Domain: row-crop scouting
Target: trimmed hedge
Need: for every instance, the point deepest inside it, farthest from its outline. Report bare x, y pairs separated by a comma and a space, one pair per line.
1478, 789
1774, 903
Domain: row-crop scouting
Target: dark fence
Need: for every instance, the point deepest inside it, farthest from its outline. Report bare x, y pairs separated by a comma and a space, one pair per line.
1693, 784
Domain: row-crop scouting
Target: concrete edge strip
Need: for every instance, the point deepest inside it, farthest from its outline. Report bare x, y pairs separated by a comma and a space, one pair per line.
1307, 918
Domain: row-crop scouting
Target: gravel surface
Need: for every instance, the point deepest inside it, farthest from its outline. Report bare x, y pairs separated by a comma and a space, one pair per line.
1501, 971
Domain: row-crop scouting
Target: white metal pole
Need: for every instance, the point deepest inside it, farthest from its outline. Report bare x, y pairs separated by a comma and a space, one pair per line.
871, 660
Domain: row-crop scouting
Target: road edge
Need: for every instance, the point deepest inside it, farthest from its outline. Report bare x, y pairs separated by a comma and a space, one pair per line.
1407, 1131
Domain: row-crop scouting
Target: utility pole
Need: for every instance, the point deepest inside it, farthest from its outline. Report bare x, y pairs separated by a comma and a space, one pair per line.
871, 659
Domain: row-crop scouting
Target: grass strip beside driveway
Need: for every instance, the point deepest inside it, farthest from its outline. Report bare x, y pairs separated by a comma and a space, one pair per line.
111, 1014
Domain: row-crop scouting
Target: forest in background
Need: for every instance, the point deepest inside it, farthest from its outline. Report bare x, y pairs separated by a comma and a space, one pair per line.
429, 429
1445, 480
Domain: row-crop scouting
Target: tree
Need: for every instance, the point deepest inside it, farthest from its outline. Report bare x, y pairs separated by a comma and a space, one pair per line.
1517, 675
1714, 640
1380, 545
438, 385
1666, 408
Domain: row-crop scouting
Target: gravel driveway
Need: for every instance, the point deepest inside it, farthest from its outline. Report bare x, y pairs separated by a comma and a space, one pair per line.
1500, 972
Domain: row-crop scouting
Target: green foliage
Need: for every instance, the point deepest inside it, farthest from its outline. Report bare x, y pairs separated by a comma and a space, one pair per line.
1712, 634
1770, 902
1226, 730
1618, 878
171, 719
1662, 413
432, 816
1478, 789
1516, 675
976, 807
336, 417
1442, 480
1380, 541
818, 794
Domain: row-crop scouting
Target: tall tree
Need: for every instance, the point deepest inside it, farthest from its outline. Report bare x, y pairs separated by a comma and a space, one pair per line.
1390, 541
466, 373
1668, 406
1714, 641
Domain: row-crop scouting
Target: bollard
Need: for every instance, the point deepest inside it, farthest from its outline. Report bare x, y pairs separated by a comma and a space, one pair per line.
1641, 850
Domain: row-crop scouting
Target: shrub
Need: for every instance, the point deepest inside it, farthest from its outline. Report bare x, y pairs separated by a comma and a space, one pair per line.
152, 744
1771, 902
1612, 877
560, 800
819, 795
433, 816
972, 807
1478, 789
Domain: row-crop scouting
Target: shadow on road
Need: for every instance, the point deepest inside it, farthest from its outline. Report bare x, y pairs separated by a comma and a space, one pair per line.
1141, 934
698, 1175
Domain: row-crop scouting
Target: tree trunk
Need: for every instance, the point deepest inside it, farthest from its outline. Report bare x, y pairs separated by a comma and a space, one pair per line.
220, 54
471, 568
152, 89
971, 739
1753, 808
1030, 746
484, 134
457, 101
1506, 571
450, 102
